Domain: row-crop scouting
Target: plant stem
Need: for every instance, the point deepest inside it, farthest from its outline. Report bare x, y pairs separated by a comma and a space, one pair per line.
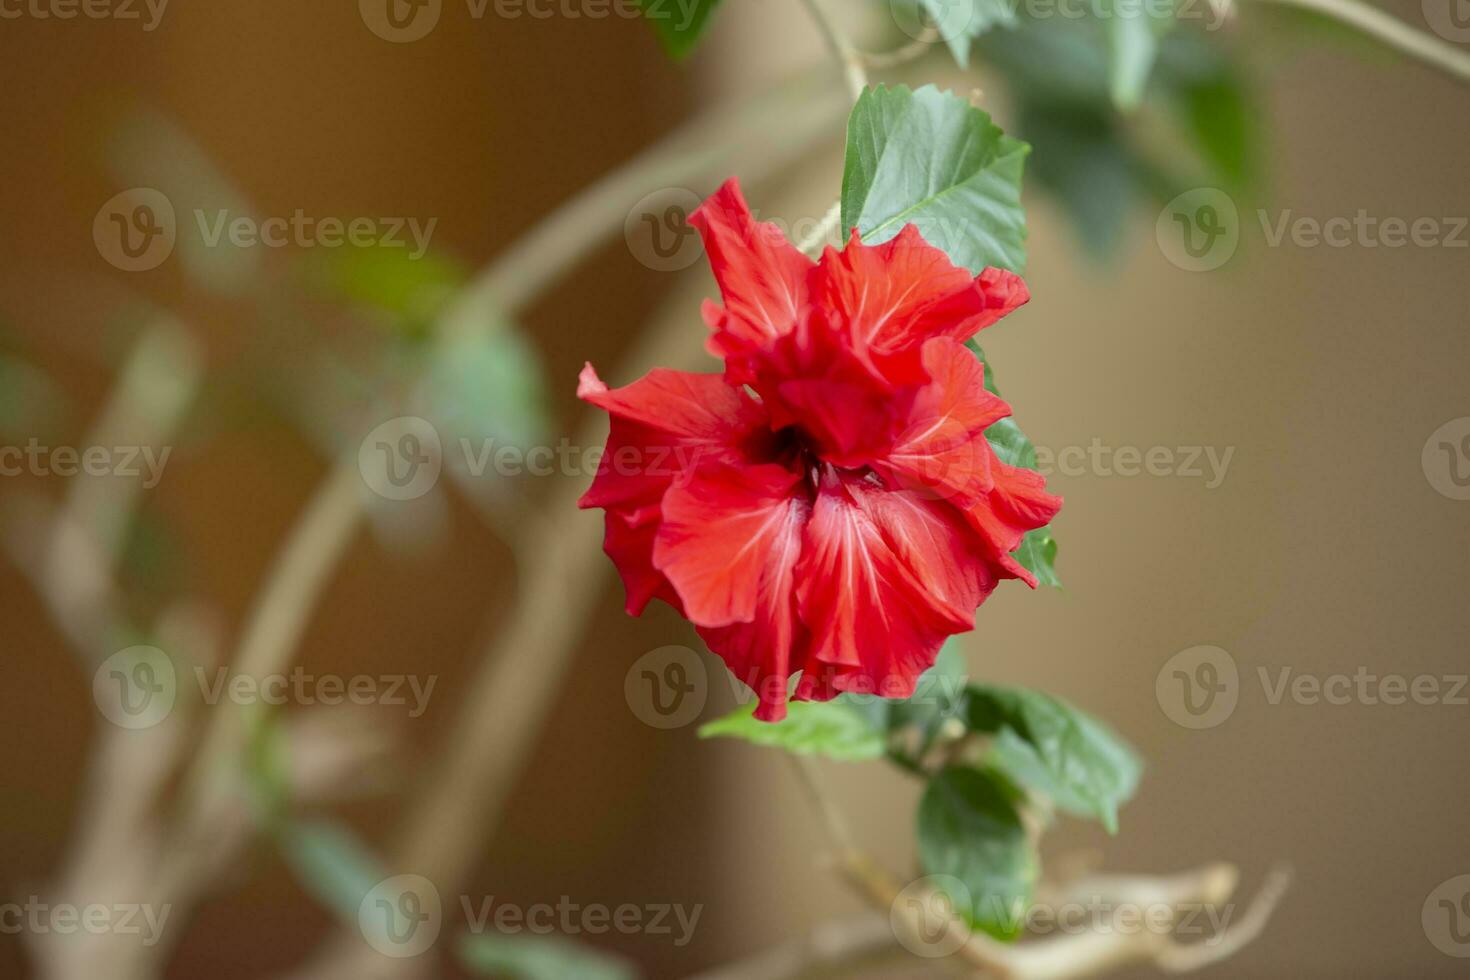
849, 59
1391, 31
562, 566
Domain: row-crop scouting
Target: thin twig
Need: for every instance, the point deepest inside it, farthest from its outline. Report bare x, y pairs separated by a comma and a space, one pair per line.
898, 57
849, 59
1390, 30
1068, 957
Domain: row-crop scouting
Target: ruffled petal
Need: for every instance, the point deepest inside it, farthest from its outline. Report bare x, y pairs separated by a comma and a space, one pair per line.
762, 277
628, 540
728, 543
849, 416
1017, 503
661, 428
662, 425
942, 453
884, 577
888, 299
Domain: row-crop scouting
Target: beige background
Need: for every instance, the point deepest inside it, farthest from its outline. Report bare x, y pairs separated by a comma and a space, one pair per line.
1325, 549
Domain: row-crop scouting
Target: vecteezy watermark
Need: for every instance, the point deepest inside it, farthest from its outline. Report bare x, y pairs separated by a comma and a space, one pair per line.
933, 916
1446, 917
569, 918
138, 687
927, 916
659, 235
138, 229
302, 688
1200, 230
1450, 19
403, 458
658, 232
135, 230
129, 462
667, 688
405, 21
403, 916
149, 13
1200, 687
1446, 459
98, 919
1208, 463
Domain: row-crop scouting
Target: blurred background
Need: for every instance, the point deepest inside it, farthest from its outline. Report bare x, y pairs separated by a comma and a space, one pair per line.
1329, 538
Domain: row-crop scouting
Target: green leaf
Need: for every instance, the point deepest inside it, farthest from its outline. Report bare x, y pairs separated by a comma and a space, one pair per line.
829, 728
678, 23
1134, 32
1082, 158
931, 159
1213, 105
938, 697
959, 22
1059, 61
1047, 745
1038, 550
539, 958
969, 828
485, 390
412, 290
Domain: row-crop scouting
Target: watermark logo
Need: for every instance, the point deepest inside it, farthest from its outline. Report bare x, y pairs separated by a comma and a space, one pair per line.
143, 463
658, 232
667, 688
1446, 459
136, 230
401, 916
1446, 917
943, 21
148, 12
400, 21
927, 919
402, 458
1207, 463
571, 918
138, 688
1199, 230
1199, 687
135, 688
64, 919
1450, 19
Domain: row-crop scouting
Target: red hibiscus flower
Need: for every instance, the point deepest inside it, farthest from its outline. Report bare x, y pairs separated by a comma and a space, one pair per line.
829, 505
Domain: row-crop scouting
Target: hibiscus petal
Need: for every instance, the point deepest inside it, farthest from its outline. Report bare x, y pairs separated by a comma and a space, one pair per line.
629, 543
762, 276
942, 453
884, 577
1017, 503
661, 427
1004, 292
728, 543
888, 299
